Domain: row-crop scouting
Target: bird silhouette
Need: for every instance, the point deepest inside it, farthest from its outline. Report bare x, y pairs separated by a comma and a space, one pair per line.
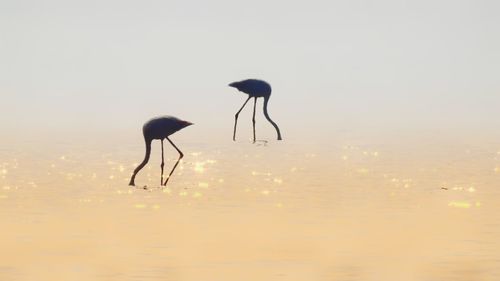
160, 128
255, 89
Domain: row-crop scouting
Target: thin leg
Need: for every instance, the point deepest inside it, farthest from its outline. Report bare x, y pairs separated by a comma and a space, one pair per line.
176, 163
162, 163
253, 118
236, 118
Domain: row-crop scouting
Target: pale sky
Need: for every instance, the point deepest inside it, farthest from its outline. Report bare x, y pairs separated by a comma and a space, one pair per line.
333, 65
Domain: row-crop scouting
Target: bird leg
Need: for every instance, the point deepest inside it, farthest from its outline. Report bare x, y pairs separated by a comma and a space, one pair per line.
162, 163
253, 118
181, 155
236, 118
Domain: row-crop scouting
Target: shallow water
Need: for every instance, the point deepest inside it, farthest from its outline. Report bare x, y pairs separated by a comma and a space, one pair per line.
337, 210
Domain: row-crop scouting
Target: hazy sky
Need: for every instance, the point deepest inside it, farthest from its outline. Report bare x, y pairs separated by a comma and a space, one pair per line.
333, 65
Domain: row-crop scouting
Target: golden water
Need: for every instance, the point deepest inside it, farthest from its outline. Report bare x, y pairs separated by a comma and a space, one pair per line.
333, 211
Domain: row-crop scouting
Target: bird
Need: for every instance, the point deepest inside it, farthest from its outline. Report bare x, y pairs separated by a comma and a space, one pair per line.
160, 128
255, 89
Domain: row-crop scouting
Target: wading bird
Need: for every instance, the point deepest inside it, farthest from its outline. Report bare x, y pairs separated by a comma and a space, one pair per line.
255, 89
160, 128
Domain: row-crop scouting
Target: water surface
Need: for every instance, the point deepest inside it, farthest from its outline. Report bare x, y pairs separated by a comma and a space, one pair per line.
338, 210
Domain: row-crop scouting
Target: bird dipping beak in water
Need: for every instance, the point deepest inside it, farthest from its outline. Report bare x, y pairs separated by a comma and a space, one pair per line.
254, 89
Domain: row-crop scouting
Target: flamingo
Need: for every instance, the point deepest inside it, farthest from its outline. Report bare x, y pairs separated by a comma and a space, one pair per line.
255, 89
160, 128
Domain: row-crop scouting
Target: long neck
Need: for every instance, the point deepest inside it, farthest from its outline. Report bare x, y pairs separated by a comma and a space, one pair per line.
144, 162
266, 100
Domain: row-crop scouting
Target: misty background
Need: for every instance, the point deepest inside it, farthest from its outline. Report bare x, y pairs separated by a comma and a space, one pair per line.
85, 67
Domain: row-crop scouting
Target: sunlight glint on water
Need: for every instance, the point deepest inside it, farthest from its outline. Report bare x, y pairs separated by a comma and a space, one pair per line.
277, 212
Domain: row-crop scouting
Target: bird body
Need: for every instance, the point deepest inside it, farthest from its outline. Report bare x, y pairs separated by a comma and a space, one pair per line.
160, 128
255, 89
